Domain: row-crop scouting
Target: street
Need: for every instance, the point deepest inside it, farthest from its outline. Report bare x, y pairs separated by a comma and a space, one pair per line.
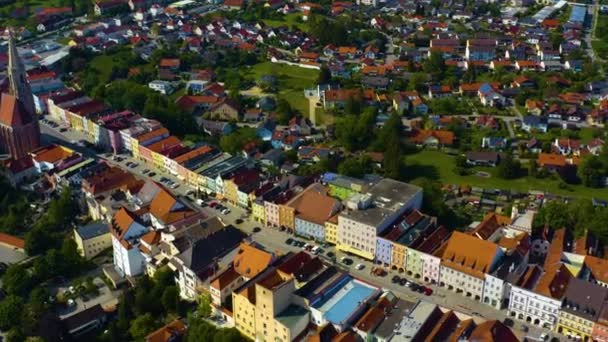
274, 241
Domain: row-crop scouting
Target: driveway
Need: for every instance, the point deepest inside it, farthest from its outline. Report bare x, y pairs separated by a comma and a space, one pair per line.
9, 255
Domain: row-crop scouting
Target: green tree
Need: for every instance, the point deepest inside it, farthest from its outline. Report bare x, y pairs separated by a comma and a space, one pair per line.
355, 167
591, 171
141, 326
15, 335
17, 280
235, 141
324, 75
532, 168
204, 306
508, 168
286, 112
555, 214
170, 298
11, 309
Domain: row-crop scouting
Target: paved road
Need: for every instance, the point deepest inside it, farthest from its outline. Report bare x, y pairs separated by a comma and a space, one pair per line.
274, 240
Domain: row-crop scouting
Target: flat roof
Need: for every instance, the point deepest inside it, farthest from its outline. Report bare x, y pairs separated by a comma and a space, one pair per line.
388, 196
412, 322
93, 229
227, 165
401, 309
291, 315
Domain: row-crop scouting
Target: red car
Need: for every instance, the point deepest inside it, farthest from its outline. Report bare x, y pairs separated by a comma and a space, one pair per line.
212, 204
428, 291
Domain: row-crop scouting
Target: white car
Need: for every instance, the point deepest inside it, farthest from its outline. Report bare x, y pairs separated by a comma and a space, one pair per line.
315, 249
360, 267
226, 211
544, 336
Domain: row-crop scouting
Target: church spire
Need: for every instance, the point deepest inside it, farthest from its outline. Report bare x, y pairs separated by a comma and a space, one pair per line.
17, 77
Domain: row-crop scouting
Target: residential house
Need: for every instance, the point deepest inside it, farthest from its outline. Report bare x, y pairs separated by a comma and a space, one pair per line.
199, 260
92, 239
439, 91
309, 210
483, 158
465, 262
581, 308
372, 213
126, 228
225, 110
532, 123
432, 138
494, 143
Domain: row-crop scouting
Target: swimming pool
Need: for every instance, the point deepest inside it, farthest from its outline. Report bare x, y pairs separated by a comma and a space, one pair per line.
347, 300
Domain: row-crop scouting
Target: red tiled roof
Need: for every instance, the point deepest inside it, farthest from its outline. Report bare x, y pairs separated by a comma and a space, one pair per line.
12, 240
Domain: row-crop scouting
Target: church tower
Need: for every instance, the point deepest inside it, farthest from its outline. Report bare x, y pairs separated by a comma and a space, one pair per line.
19, 130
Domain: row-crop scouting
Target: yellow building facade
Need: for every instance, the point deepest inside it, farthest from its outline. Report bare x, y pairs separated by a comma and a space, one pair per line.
258, 212
331, 232
574, 325
398, 258
92, 239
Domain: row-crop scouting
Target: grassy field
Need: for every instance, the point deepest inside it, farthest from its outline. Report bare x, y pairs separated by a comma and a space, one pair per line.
292, 81
103, 64
290, 20
438, 165
600, 43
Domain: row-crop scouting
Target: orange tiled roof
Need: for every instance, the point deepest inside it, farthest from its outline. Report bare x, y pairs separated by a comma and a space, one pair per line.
598, 268
169, 62
168, 332
554, 281
491, 222
151, 237
12, 240
490, 331
192, 154
469, 254
149, 135
164, 144
224, 279
250, 260
444, 137
347, 50
314, 205
123, 219
51, 154
551, 159
374, 316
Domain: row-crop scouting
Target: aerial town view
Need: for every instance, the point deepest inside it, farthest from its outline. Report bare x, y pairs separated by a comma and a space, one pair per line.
303, 170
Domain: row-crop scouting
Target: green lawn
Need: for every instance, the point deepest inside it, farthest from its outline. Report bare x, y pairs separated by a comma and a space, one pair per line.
438, 165
292, 81
290, 19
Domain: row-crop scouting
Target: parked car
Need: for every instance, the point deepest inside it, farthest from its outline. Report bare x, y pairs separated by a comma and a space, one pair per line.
428, 291
360, 266
225, 211
395, 279
403, 282
346, 261
331, 255
145, 171
152, 174
289, 241
257, 229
